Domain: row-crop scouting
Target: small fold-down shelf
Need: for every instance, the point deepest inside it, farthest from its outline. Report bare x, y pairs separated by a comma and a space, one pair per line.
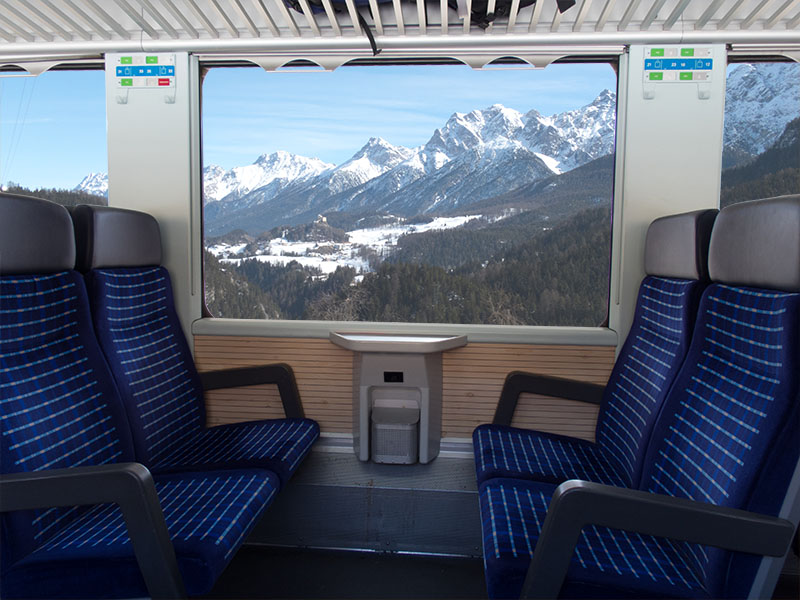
397, 394
406, 344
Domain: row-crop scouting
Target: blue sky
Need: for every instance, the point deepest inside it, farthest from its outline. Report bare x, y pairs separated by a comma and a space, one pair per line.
330, 116
53, 129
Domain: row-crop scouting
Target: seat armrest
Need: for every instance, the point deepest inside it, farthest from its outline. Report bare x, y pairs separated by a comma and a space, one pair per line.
518, 382
577, 504
129, 485
279, 374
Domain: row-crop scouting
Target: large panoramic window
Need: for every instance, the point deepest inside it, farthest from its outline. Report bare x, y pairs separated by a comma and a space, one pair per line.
424, 194
53, 135
762, 132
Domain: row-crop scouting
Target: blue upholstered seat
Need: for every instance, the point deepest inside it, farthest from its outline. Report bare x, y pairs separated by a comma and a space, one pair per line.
60, 410
727, 435
639, 382
139, 332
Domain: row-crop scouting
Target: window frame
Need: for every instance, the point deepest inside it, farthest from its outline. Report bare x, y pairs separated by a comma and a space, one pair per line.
603, 334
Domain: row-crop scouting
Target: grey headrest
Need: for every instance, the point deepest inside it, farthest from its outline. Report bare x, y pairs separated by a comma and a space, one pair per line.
35, 236
677, 245
109, 237
757, 244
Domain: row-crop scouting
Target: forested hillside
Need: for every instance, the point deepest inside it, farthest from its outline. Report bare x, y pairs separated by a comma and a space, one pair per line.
557, 276
774, 173
63, 197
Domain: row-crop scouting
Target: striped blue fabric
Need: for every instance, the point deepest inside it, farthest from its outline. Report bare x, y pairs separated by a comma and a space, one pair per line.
642, 375
511, 451
208, 515
652, 356
726, 402
279, 445
131, 309
146, 349
606, 562
57, 409
730, 403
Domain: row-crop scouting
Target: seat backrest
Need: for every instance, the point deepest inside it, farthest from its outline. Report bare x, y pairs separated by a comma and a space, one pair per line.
138, 328
729, 432
676, 256
58, 404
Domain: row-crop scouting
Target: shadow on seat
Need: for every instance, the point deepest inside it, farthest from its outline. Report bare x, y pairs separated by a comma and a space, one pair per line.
138, 328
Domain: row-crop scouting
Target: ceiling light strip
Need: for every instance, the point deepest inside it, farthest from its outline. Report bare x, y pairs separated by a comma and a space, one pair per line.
44, 34
79, 13
676, 14
601, 22
64, 18
187, 26
159, 18
326, 4
109, 20
652, 14
780, 13
376, 16
134, 16
398, 16
753, 16
251, 26
584, 10
229, 25
628, 15
284, 11
535, 16
723, 24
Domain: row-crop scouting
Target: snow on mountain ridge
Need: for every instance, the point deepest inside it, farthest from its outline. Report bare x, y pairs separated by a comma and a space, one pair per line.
281, 167
94, 183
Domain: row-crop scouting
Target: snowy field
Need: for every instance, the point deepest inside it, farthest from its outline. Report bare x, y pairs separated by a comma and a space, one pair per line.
328, 256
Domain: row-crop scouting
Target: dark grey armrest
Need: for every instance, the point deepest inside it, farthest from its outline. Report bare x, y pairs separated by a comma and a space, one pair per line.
128, 485
280, 374
577, 504
518, 382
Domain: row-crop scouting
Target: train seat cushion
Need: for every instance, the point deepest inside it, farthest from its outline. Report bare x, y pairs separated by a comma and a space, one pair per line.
138, 328
607, 563
727, 434
642, 375
61, 409
510, 451
279, 445
140, 333
208, 516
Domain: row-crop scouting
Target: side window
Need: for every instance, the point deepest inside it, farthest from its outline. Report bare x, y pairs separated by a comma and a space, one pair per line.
425, 194
53, 136
762, 132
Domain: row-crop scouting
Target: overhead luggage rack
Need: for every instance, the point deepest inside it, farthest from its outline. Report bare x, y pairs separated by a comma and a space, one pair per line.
37, 29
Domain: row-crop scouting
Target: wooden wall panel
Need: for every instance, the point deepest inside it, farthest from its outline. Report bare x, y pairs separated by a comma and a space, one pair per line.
472, 376
324, 374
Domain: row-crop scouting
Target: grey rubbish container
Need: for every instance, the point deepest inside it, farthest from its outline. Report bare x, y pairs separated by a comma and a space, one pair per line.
395, 435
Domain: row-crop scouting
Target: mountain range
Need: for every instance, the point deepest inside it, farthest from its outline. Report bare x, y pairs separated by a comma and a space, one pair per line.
474, 158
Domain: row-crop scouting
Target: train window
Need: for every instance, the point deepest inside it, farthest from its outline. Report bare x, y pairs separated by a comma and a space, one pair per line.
423, 194
57, 119
761, 132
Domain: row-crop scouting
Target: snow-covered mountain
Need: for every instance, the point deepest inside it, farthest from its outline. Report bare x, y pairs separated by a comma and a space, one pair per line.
94, 183
759, 102
277, 169
473, 157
